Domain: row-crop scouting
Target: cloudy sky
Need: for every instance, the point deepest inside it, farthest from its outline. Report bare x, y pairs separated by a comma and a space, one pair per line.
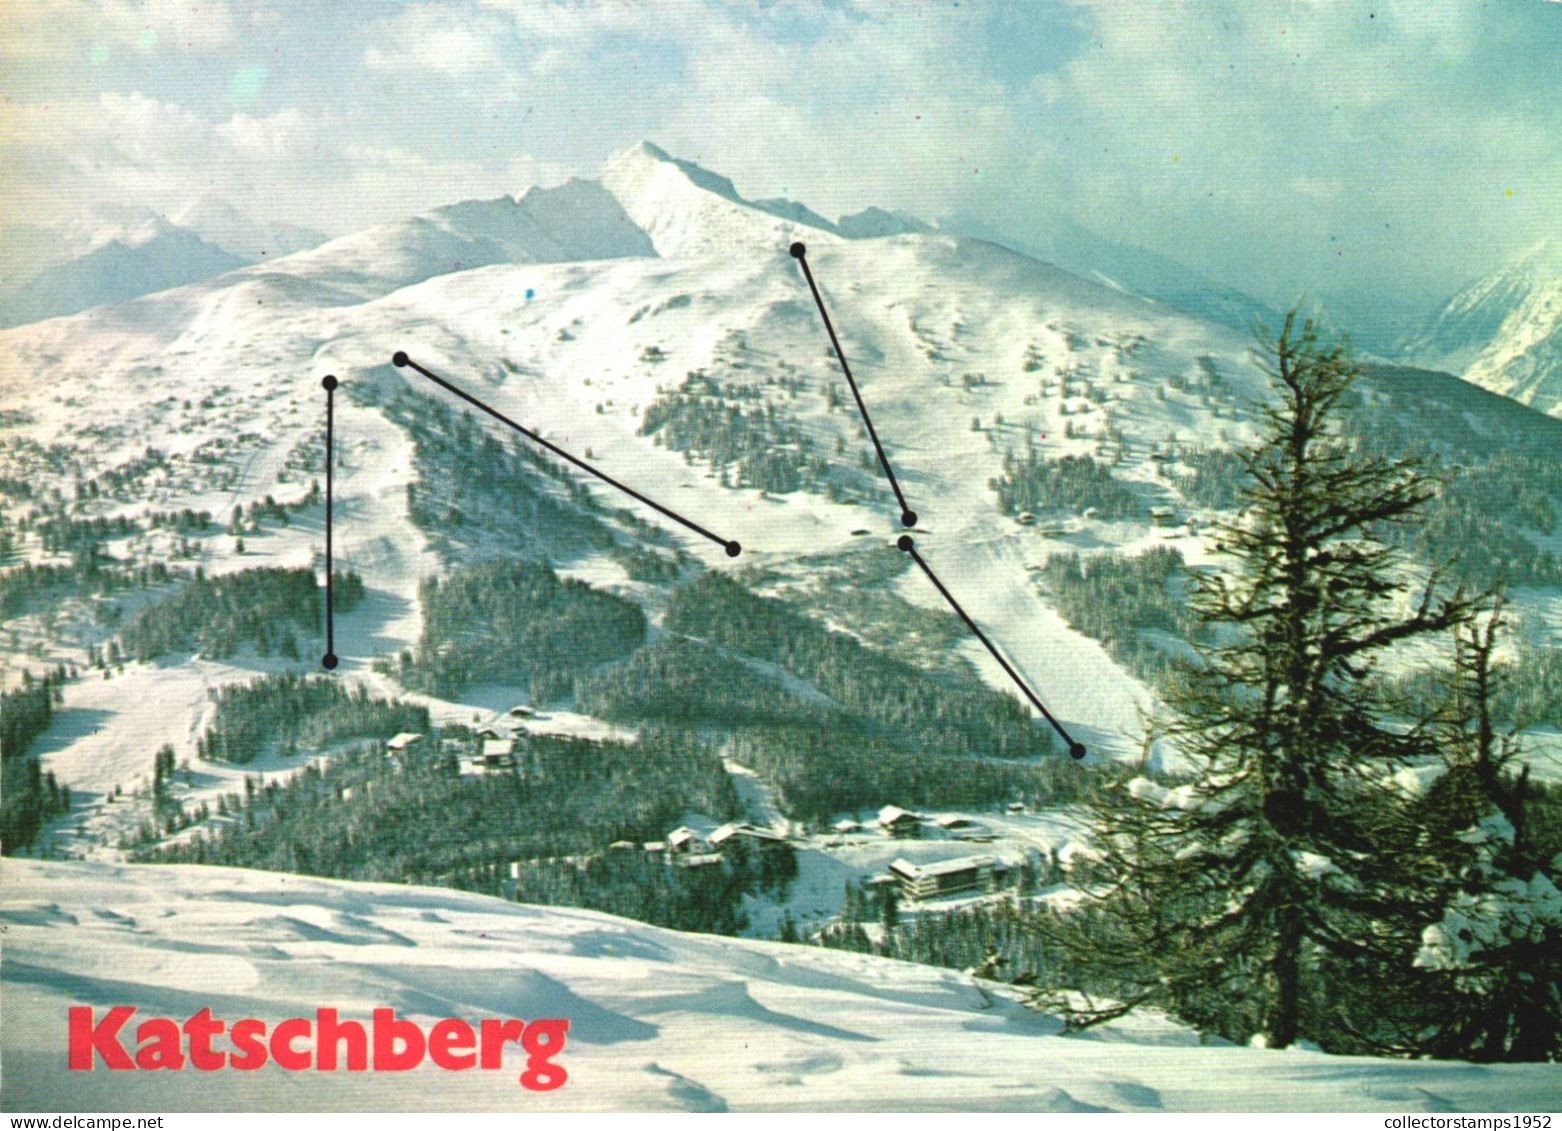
1319, 145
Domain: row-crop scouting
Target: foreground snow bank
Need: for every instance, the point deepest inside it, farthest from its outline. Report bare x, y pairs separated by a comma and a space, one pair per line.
658, 1020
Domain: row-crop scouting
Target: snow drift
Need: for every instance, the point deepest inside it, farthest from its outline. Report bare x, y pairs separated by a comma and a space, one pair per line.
658, 1020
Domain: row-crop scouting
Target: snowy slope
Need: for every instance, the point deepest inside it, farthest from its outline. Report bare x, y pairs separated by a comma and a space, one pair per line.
557, 328
1504, 330
915, 313
658, 1020
1060, 240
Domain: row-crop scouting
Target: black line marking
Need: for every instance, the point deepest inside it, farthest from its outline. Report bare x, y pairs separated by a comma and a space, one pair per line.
1077, 749
908, 517
401, 360
329, 660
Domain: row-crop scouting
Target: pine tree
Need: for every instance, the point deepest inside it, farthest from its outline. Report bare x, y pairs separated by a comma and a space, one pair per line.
1222, 897
1489, 959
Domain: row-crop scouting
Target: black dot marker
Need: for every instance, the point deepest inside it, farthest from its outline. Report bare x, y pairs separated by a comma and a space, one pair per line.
399, 359
329, 661
329, 384
798, 250
733, 549
1077, 749
908, 518
904, 542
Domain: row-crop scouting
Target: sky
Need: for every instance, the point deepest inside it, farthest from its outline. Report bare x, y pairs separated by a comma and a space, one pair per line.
1396, 148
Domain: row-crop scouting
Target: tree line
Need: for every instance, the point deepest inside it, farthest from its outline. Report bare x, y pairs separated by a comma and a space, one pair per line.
419, 819
289, 713
1068, 483
1297, 881
29, 796
953, 714
216, 616
758, 447
516, 622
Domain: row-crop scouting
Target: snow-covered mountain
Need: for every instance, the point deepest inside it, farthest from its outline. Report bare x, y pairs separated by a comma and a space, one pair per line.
155, 258
1504, 330
689, 211
578, 310
577, 221
218, 222
581, 305
575, 287
876, 223
119, 252
1060, 240
658, 1020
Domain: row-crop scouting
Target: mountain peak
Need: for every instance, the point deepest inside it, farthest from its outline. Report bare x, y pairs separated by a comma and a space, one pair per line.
651, 150
687, 209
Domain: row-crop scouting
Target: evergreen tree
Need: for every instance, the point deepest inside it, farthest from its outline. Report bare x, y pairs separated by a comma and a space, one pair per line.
1222, 898
1489, 958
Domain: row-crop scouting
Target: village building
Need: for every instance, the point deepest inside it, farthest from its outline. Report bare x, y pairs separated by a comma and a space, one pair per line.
924, 881
402, 742
898, 822
749, 832
684, 839
497, 755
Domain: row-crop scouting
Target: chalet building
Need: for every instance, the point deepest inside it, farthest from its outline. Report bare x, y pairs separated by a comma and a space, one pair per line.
898, 822
749, 832
491, 730
403, 742
925, 881
522, 711
847, 827
496, 756
684, 839
1163, 516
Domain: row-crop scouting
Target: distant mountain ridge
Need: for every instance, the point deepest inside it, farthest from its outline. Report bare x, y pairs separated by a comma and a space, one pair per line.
646, 202
118, 271
1503, 331
121, 253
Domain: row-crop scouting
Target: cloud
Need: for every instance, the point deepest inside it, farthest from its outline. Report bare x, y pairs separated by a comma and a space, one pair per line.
49, 29
288, 135
426, 39
1345, 138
